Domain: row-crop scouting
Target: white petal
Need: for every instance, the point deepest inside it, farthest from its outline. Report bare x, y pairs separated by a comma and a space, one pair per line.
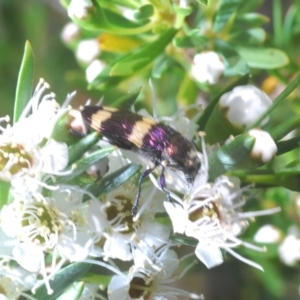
208, 67
211, 256
54, 157
267, 234
177, 215
244, 105
264, 148
9, 223
6, 244
289, 250
117, 247
118, 288
75, 249
28, 256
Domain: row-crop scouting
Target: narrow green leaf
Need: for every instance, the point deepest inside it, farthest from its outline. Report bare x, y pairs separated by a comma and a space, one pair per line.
224, 13
25, 82
250, 20
277, 22
62, 280
126, 101
275, 282
190, 41
104, 80
188, 91
286, 127
263, 58
288, 145
250, 36
4, 192
235, 64
134, 62
73, 292
112, 181
280, 98
202, 2
160, 66
99, 279
144, 12
100, 18
285, 177
184, 240
84, 163
231, 156
77, 150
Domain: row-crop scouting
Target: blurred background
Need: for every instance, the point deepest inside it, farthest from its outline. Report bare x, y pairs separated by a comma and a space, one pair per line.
41, 23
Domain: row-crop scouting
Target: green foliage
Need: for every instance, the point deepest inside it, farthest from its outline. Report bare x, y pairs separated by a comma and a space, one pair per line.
160, 41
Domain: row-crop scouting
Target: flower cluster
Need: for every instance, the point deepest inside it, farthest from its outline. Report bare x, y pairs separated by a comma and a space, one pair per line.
51, 220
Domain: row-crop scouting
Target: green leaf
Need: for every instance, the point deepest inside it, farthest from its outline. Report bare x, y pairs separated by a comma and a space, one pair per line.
274, 281
287, 177
202, 2
4, 192
73, 292
279, 99
190, 41
160, 66
184, 240
224, 13
84, 163
62, 280
288, 145
126, 101
25, 82
99, 18
286, 127
188, 91
250, 36
105, 80
77, 150
235, 64
250, 20
98, 279
263, 58
134, 62
112, 181
231, 156
144, 12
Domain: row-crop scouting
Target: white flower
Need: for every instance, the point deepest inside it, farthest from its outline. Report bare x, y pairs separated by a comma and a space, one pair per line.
87, 51
14, 281
94, 69
267, 234
211, 214
208, 67
289, 250
244, 105
264, 148
55, 225
21, 152
70, 33
79, 9
122, 234
144, 282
